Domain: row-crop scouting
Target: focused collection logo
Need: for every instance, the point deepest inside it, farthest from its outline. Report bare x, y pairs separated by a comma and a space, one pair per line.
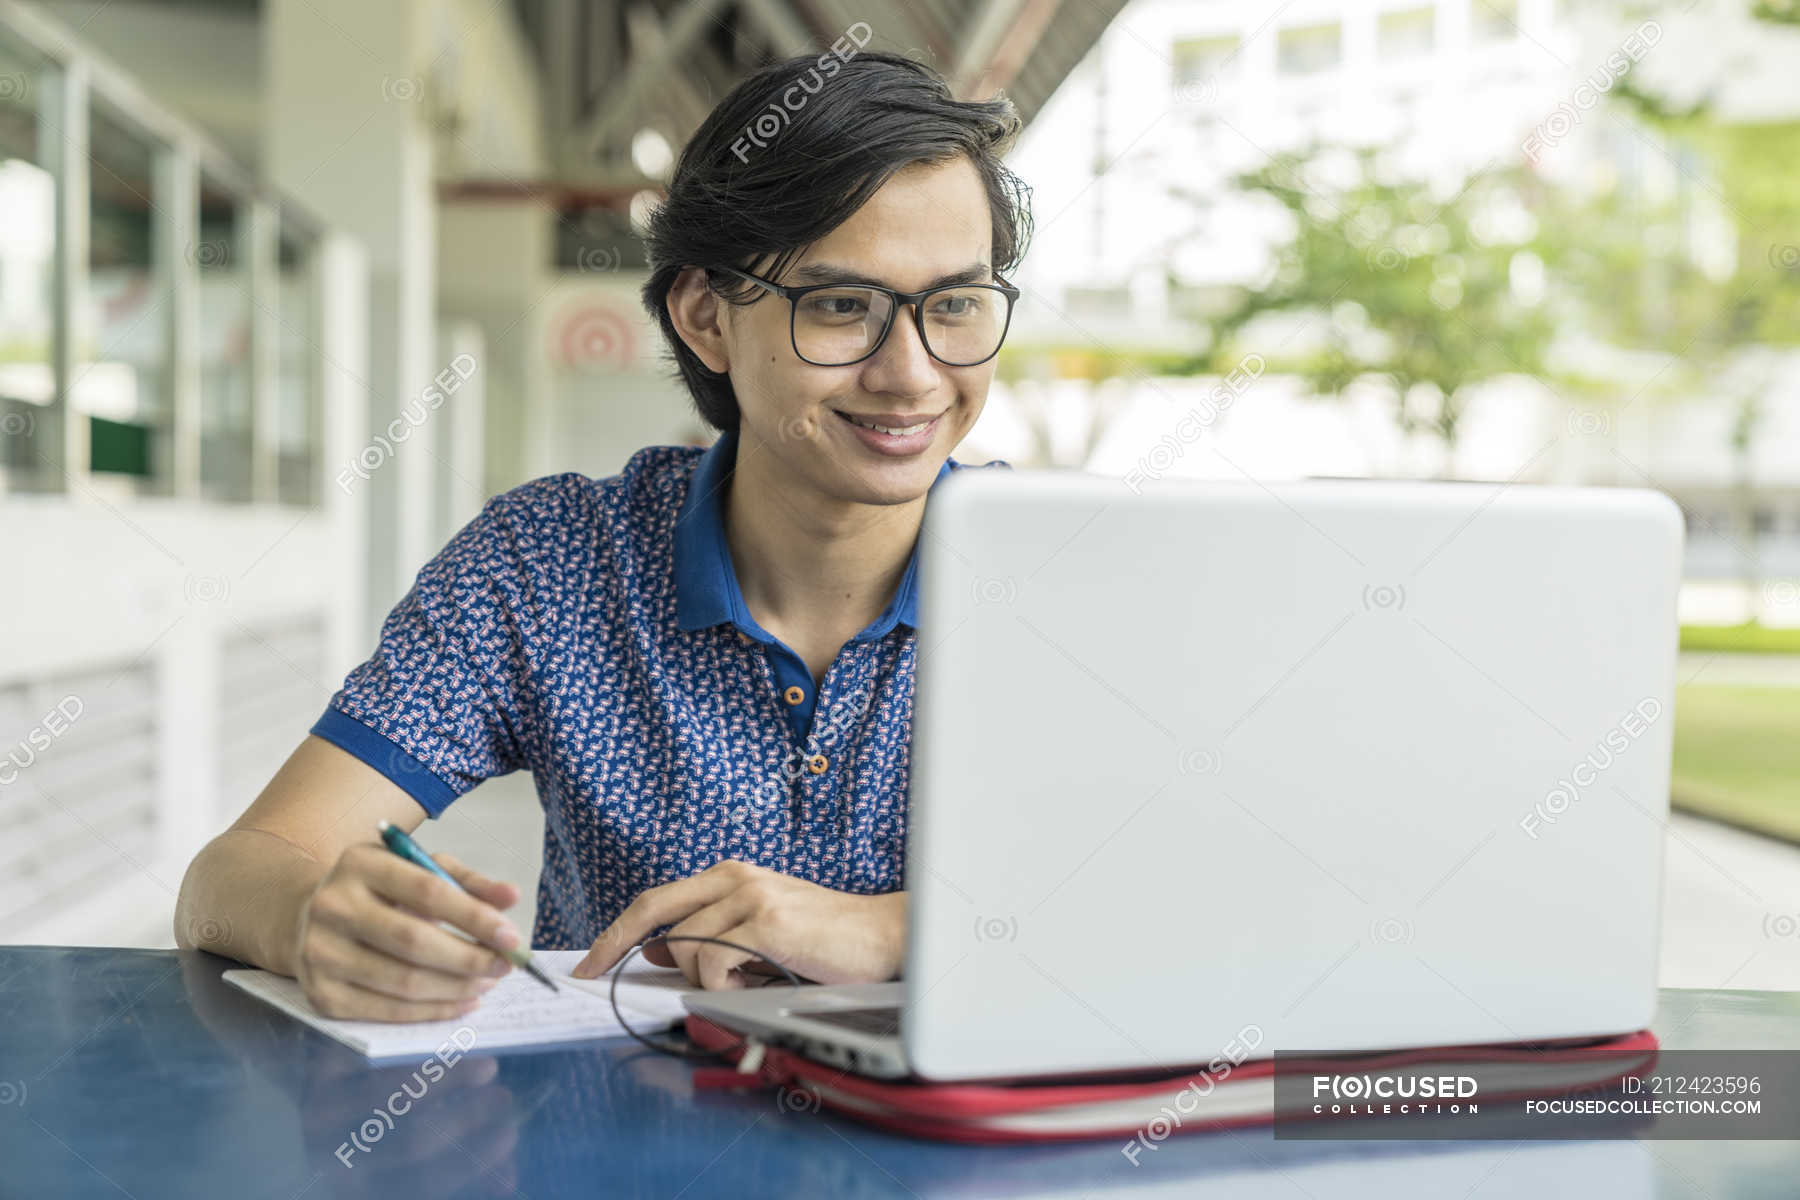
1395, 1094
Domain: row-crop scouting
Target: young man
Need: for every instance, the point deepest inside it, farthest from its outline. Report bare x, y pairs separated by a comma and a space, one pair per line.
707, 660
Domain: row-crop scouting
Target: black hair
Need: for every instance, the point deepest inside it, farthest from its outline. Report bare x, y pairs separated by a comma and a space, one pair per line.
791, 153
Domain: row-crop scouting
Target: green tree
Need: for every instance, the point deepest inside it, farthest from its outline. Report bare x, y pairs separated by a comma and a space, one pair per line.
1407, 290
1627, 269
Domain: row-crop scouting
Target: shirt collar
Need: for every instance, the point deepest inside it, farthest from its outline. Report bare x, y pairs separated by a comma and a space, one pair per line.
706, 586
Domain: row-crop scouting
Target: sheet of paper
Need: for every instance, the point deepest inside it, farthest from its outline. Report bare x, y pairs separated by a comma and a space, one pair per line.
517, 1011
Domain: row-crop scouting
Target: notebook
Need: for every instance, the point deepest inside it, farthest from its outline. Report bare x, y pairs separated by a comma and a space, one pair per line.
518, 1011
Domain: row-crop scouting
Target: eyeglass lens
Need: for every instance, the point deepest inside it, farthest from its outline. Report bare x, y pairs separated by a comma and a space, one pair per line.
838, 325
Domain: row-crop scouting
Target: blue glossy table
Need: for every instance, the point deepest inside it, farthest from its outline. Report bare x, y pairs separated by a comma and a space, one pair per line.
142, 1074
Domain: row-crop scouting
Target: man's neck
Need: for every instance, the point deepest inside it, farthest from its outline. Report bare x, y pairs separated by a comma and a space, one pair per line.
809, 562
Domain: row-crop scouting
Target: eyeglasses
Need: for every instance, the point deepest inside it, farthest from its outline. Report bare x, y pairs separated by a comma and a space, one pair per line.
836, 324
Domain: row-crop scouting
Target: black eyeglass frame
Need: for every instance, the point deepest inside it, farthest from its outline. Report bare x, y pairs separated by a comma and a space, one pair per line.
917, 299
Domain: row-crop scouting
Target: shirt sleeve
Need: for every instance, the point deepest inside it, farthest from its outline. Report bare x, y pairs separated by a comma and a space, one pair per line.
440, 705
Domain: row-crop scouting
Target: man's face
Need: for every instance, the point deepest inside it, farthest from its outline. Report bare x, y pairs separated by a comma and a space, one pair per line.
927, 225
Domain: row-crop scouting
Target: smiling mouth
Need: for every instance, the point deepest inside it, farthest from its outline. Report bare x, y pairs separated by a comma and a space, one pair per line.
915, 424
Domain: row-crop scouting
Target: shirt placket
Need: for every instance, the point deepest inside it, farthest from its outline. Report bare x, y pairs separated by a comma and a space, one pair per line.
823, 819
815, 768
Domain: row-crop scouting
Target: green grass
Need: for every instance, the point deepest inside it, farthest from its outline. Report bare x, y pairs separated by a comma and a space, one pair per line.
1737, 756
1750, 638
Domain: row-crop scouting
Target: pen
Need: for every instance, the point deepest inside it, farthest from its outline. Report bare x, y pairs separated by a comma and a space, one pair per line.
396, 840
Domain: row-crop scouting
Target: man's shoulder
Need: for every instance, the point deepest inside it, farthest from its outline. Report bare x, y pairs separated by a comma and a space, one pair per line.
653, 478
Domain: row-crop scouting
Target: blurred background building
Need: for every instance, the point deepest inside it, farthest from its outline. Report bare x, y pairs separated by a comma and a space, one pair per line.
289, 287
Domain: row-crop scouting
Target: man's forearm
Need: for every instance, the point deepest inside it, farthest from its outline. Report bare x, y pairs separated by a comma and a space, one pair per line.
241, 898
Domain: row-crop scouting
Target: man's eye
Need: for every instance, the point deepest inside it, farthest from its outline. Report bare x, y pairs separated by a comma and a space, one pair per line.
836, 307
956, 306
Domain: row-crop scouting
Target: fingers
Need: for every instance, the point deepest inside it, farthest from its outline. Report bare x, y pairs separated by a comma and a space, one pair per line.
662, 954
717, 966
371, 946
336, 997
496, 892
711, 922
345, 958
402, 883
665, 905
409, 936
762, 968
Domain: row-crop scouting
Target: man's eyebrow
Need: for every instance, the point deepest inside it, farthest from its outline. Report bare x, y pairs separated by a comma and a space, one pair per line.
827, 273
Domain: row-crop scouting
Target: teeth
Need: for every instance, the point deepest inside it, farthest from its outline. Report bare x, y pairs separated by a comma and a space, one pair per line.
919, 428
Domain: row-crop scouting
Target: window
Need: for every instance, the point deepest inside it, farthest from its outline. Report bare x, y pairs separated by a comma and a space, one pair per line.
123, 352
220, 256
298, 432
30, 458
1406, 34
1198, 61
1309, 49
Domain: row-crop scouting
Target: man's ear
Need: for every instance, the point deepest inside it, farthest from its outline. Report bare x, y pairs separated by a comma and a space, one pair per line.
699, 317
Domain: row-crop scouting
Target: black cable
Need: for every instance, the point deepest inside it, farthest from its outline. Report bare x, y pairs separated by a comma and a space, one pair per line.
682, 1051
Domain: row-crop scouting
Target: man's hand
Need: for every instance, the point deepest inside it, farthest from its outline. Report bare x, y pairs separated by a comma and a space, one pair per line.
819, 934
369, 946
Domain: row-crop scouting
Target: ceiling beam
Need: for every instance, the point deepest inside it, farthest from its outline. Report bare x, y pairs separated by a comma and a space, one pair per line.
896, 26
646, 37
647, 71
1021, 38
987, 32
560, 48
613, 192
788, 34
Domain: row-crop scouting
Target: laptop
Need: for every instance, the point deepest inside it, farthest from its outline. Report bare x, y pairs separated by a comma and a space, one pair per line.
1326, 766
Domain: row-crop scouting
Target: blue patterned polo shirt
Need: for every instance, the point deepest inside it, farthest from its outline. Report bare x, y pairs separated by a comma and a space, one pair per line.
592, 632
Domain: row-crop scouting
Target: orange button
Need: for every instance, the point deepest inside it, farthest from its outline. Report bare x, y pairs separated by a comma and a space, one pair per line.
793, 695
817, 764
743, 637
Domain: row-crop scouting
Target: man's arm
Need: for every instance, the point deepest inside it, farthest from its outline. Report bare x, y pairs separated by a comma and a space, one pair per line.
301, 885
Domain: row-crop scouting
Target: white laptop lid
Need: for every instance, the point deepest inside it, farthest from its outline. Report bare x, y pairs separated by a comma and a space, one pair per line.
1333, 766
